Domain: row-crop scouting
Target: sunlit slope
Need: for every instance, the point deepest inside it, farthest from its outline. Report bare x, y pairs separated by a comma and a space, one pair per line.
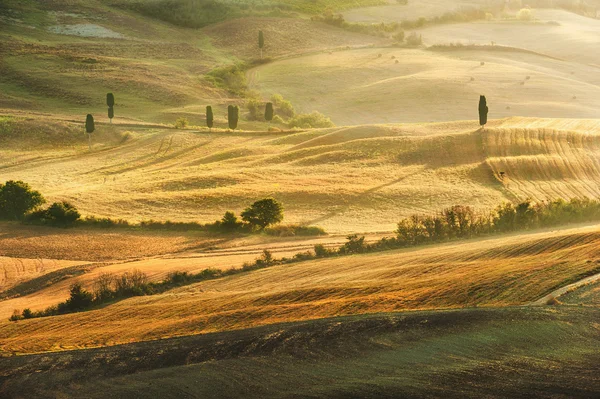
283, 37
395, 12
540, 160
462, 354
64, 56
495, 272
558, 33
363, 178
402, 85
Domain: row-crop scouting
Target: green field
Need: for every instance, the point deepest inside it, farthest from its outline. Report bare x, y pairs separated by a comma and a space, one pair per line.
459, 354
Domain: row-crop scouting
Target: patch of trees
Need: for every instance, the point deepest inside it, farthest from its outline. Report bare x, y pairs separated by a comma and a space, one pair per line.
18, 201
281, 111
463, 222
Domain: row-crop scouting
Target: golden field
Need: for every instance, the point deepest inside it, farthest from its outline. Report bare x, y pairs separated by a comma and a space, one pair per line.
346, 179
503, 271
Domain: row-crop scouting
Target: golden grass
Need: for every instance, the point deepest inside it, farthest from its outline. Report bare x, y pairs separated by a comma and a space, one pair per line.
493, 272
35, 242
569, 37
363, 178
283, 37
360, 87
410, 11
15, 270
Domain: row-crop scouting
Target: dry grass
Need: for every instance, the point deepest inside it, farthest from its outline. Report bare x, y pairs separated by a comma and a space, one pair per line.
495, 272
35, 242
572, 39
359, 87
283, 37
364, 178
408, 12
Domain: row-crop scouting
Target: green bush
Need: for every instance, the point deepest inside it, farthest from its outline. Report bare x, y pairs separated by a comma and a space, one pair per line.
414, 39
181, 123
229, 222
231, 78
354, 245
60, 214
310, 121
294, 230
17, 198
283, 108
255, 109
263, 213
79, 299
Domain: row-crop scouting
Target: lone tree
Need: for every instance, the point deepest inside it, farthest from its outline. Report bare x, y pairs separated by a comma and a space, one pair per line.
263, 213
110, 101
269, 112
483, 111
261, 42
233, 116
89, 128
210, 121
17, 198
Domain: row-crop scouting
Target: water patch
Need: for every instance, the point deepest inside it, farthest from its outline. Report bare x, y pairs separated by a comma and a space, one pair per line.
85, 30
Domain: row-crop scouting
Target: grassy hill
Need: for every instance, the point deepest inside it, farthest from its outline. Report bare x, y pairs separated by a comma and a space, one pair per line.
364, 178
503, 271
460, 354
407, 85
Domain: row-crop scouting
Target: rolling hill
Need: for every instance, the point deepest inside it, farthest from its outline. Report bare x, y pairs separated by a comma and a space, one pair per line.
495, 272
364, 178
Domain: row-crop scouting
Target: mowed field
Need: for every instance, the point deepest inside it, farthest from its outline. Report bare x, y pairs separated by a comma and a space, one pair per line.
395, 12
491, 353
407, 85
363, 178
567, 36
494, 272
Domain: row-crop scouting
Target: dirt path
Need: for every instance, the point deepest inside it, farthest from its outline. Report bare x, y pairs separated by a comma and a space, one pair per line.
561, 291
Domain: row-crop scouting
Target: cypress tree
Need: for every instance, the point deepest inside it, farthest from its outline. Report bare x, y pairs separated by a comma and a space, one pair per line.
110, 101
269, 112
261, 42
233, 113
209, 117
483, 111
89, 128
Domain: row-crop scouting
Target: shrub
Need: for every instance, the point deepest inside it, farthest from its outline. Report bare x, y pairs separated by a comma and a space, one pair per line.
17, 198
16, 316
294, 230
414, 40
231, 78
104, 286
27, 313
133, 283
525, 14
284, 108
79, 298
321, 251
354, 245
399, 36
309, 121
263, 213
230, 221
254, 107
266, 258
181, 123
179, 278
62, 214
277, 119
